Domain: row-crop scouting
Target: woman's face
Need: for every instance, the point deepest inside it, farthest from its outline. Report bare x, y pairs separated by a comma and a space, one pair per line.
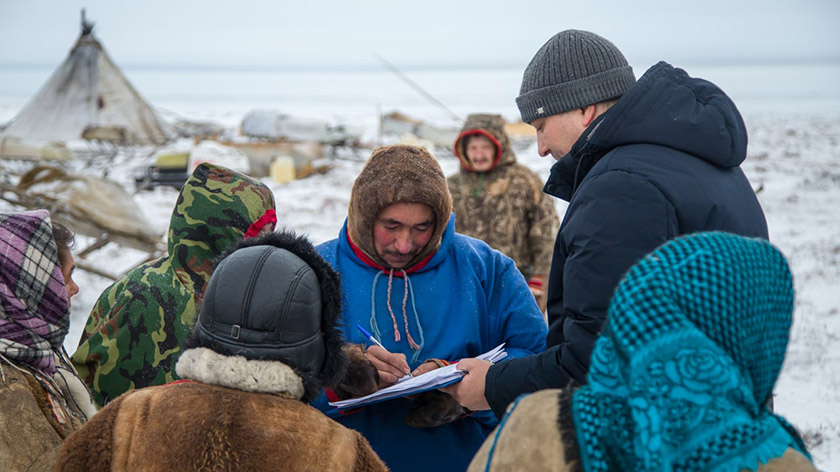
68, 265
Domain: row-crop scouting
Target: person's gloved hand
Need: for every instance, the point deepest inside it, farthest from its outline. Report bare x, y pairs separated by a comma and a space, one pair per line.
361, 377
434, 408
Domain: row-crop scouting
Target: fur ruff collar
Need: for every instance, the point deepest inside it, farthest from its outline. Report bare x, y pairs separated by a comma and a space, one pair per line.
209, 367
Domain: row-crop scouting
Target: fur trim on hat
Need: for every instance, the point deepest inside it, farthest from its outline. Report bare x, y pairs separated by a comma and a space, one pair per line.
397, 174
328, 279
206, 366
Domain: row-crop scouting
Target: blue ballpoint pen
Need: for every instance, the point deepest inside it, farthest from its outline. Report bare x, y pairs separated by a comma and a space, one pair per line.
374, 340
370, 337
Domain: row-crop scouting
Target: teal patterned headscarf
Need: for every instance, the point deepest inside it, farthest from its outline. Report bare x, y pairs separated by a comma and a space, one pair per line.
682, 373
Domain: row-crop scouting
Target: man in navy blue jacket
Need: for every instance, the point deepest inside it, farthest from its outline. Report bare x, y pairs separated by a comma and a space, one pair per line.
640, 162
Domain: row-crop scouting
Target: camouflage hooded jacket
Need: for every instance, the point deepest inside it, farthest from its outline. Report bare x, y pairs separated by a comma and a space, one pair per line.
505, 206
133, 335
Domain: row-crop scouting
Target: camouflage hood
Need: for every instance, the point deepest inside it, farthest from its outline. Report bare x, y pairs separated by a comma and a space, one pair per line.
491, 126
397, 174
133, 336
216, 208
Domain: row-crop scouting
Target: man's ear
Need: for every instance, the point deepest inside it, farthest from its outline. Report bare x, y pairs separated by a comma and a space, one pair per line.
589, 115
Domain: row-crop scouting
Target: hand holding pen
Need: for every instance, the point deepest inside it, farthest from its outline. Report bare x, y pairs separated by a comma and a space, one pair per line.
391, 366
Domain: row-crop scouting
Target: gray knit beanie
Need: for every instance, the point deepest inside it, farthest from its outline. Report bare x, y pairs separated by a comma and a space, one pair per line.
574, 69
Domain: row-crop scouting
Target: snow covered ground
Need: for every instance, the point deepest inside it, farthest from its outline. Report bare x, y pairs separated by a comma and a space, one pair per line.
793, 160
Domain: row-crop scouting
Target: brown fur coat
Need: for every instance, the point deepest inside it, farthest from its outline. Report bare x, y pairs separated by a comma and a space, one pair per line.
244, 415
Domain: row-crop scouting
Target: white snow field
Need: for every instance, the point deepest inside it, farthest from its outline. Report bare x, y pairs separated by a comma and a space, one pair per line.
793, 117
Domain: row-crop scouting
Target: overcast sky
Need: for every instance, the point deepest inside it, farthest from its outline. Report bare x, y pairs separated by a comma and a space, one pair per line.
421, 33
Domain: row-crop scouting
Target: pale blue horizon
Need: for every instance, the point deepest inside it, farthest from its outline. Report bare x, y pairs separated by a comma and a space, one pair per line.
333, 34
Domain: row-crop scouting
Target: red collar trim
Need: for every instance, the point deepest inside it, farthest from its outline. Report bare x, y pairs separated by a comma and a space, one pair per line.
269, 217
367, 260
481, 132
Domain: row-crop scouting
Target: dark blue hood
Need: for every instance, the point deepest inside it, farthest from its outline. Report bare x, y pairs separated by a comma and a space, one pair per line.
665, 107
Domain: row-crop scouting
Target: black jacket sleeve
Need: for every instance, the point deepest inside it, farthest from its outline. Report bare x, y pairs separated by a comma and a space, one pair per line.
507, 380
615, 219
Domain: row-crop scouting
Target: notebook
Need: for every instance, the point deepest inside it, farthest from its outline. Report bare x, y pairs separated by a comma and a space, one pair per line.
437, 378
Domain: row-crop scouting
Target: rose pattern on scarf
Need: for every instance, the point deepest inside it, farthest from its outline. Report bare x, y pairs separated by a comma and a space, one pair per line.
699, 373
684, 382
605, 367
697, 363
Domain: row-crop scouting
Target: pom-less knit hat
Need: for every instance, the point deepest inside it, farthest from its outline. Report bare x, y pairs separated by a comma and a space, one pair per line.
572, 70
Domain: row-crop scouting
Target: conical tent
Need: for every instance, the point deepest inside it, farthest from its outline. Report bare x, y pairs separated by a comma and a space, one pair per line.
88, 92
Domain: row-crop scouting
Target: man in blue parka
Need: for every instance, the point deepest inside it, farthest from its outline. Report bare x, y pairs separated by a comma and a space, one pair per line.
640, 163
431, 296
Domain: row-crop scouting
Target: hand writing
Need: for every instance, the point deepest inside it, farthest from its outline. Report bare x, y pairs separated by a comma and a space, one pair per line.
391, 366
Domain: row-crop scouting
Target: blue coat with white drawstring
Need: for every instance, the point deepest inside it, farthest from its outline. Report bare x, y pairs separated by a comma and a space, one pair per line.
467, 299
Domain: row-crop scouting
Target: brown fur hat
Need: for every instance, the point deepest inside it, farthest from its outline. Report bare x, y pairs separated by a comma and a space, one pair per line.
397, 174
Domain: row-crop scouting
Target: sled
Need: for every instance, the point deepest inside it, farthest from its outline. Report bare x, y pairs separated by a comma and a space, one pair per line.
94, 207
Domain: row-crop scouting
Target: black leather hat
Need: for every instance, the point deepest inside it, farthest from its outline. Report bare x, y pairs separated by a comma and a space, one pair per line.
274, 298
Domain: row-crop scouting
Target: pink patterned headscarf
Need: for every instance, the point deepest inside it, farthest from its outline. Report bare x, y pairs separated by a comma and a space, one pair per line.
34, 315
